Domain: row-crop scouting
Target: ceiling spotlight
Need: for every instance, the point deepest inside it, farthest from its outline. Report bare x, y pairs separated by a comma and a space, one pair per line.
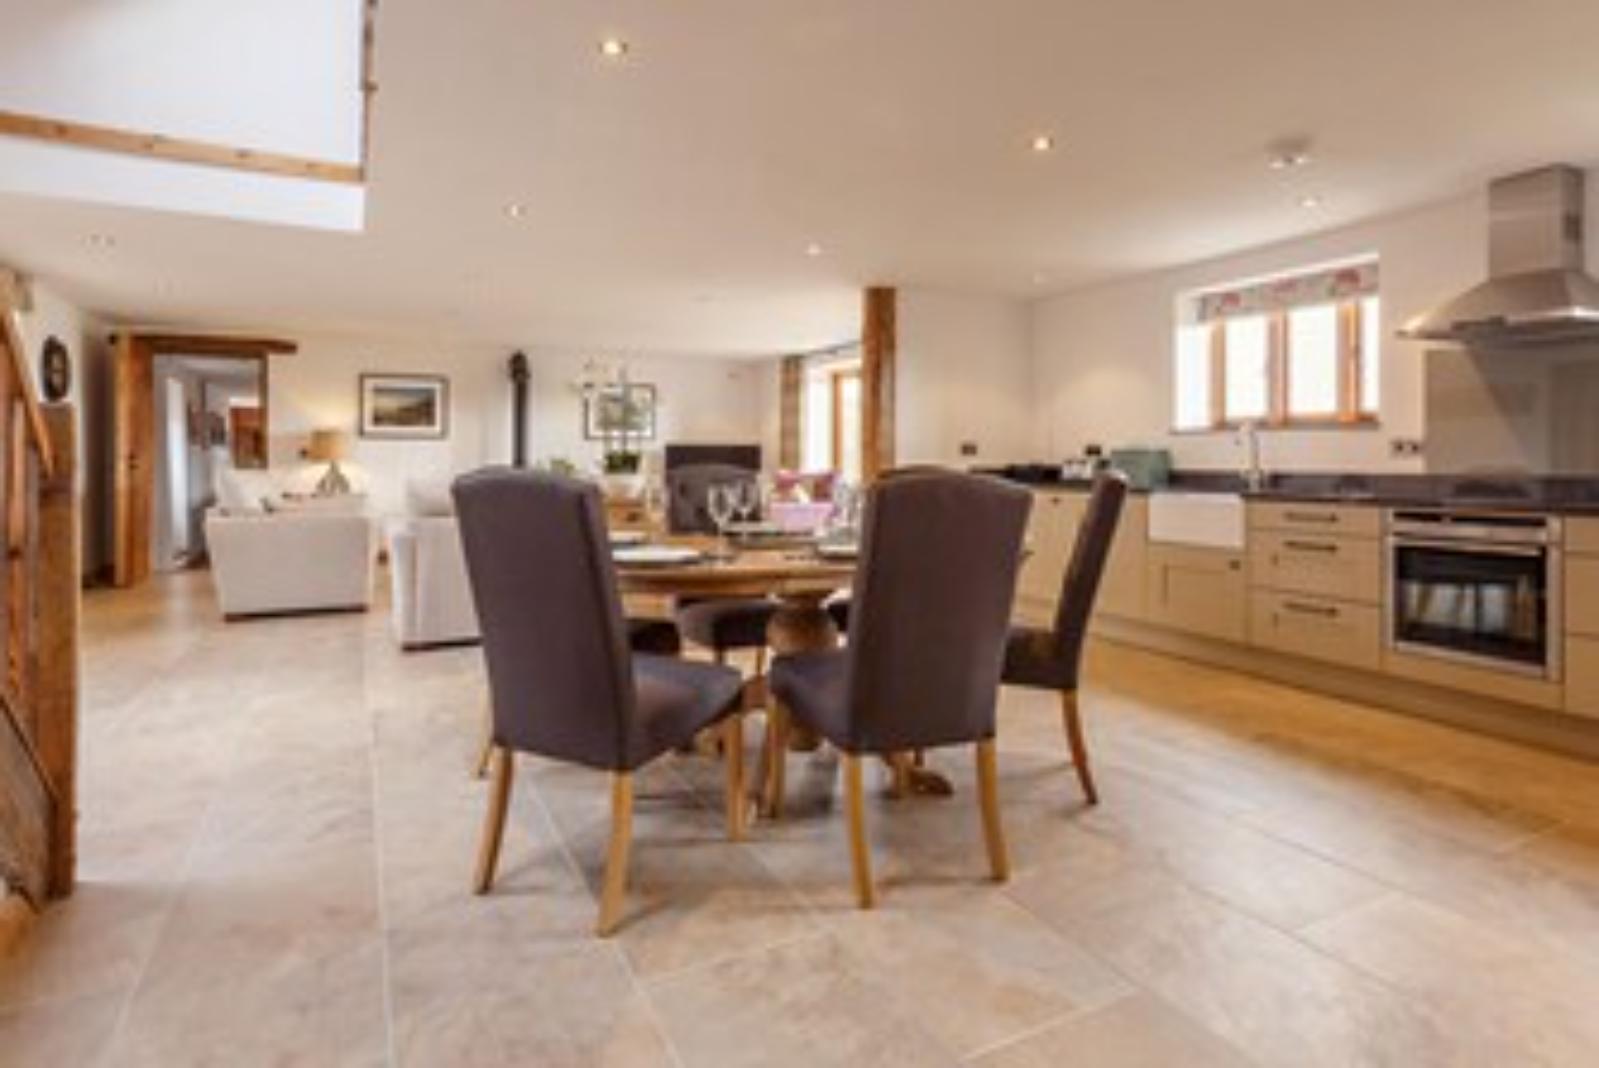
1310, 201
1042, 143
613, 48
102, 241
1040, 278
1288, 153
516, 209
813, 250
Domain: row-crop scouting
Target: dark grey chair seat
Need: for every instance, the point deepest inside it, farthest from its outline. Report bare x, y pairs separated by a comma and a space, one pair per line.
1052, 659
659, 636
730, 623
1032, 658
676, 700
818, 684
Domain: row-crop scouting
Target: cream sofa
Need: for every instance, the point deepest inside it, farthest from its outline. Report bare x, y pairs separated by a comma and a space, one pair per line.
432, 602
276, 563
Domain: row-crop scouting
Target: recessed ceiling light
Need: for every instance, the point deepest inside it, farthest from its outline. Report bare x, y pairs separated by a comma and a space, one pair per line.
614, 47
1288, 159
813, 250
1043, 142
516, 209
1310, 201
1039, 278
102, 241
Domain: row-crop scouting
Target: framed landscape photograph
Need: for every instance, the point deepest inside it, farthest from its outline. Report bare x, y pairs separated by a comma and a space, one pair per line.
620, 411
405, 406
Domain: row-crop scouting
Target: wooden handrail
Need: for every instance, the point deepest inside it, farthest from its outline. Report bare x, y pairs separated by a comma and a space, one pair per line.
30, 400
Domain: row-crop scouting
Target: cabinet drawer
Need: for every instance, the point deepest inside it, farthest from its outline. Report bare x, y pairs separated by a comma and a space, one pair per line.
1201, 591
1314, 627
1582, 534
1121, 591
1582, 677
1351, 520
1347, 568
1582, 595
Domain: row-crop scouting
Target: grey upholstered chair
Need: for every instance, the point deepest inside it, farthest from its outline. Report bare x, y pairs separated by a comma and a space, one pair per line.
563, 681
1052, 659
931, 609
719, 624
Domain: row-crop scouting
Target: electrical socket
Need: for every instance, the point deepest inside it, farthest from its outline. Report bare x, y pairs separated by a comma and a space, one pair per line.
968, 448
1403, 447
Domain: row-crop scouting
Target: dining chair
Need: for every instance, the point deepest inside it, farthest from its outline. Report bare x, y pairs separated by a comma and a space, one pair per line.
563, 681
720, 624
931, 605
1052, 659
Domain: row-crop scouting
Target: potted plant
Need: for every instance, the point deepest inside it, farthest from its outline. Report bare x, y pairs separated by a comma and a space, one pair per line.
621, 466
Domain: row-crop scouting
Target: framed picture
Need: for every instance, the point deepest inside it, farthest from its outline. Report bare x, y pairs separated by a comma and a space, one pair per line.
623, 410
405, 406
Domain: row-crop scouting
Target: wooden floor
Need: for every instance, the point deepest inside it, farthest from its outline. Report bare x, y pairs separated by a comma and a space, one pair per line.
278, 836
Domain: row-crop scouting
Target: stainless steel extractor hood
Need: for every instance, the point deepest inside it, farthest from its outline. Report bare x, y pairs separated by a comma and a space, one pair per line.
1538, 291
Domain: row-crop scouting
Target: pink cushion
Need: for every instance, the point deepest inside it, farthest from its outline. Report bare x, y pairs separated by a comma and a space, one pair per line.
800, 516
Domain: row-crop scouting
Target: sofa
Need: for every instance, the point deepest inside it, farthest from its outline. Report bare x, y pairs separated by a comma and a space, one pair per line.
432, 602
281, 562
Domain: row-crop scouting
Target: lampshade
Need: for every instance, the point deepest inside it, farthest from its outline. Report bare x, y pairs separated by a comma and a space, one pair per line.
327, 446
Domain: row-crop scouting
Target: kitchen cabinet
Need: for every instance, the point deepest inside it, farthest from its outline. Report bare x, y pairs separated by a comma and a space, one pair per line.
1317, 628
1197, 590
1343, 568
1121, 590
1051, 526
1296, 517
1582, 676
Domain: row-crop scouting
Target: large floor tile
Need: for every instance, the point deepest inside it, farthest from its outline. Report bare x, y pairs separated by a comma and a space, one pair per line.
1135, 1032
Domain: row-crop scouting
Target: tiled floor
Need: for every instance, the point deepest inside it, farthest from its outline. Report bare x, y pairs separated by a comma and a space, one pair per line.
278, 831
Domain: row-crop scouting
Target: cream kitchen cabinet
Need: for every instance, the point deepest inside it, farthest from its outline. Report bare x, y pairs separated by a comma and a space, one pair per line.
1197, 590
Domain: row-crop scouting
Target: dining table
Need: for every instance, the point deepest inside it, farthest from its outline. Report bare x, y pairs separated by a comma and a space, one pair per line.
800, 574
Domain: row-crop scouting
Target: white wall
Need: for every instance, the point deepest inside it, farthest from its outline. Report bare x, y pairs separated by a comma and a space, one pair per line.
84, 335
1103, 355
965, 374
702, 399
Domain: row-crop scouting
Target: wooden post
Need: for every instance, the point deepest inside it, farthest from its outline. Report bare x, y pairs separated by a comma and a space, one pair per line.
56, 665
879, 355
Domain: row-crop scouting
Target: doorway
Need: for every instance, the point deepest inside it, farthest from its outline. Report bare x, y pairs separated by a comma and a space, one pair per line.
210, 418
139, 462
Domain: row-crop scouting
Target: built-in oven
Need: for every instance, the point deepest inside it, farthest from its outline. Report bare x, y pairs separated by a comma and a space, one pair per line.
1482, 588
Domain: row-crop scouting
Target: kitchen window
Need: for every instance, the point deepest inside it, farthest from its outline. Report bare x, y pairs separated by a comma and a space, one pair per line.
1295, 350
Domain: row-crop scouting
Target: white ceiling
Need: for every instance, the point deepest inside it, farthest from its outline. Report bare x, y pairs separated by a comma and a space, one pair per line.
670, 198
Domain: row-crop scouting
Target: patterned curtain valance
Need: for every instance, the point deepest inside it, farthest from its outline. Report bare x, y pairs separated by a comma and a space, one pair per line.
1291, 291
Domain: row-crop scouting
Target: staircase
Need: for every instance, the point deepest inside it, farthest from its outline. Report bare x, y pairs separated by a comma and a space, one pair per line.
39, 615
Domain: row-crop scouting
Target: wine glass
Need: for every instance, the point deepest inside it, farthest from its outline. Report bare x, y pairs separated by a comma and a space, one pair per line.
655, 505
748, 499
720, 502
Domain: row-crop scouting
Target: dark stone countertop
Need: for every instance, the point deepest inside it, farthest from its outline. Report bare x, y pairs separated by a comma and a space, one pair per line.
1552, 494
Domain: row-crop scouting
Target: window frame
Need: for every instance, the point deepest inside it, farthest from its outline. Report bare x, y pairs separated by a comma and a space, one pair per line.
1352, 410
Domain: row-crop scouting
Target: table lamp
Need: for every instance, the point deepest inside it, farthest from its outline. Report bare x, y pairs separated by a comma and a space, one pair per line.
329, 447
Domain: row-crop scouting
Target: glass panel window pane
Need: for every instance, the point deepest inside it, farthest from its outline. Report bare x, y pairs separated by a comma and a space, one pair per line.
816, 422
1193, 377
849, 426
1313, 360
1247, 367
1371, 355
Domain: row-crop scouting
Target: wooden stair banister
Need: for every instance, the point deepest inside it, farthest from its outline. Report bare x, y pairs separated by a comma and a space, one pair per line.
39, 616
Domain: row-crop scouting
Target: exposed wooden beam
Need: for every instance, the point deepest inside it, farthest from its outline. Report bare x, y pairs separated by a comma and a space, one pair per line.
176, 149
215, 345
879, 356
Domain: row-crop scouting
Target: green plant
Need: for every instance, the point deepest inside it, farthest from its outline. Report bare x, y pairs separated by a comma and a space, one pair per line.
557, 465
620, 462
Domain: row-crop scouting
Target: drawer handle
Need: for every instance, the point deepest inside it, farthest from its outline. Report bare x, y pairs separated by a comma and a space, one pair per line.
1312, 546
1311, 517
1321, 611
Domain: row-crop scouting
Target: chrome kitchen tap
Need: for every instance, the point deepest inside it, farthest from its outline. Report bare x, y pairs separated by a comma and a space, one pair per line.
1254, 474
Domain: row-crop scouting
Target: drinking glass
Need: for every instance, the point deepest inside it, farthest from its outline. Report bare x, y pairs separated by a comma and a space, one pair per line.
748, 494
720, 502
655, 506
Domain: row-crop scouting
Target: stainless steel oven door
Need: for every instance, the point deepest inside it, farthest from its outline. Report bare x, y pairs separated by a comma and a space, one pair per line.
1488, 604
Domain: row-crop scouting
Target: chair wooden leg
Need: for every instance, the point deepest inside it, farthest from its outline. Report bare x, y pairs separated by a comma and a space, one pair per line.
860, 857
494, 820
988, 797
760, 661
481, 769
733, 754
615, 888
1074, 737
774, 760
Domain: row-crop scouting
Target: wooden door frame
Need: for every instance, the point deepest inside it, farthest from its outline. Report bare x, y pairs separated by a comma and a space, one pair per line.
133, 433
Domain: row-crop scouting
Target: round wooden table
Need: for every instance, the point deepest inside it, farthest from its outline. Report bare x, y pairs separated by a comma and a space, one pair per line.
801, 581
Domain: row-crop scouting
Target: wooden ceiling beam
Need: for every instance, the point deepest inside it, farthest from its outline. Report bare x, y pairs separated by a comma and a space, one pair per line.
214, 345
176, 149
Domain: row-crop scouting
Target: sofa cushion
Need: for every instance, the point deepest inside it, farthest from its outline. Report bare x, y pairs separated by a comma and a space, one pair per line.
428, 497
245, 492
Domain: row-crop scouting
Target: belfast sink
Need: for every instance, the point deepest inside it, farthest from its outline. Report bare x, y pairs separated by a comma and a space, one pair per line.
1206, 520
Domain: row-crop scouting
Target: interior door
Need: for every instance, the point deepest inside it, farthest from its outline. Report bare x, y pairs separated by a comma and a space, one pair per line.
133, 466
